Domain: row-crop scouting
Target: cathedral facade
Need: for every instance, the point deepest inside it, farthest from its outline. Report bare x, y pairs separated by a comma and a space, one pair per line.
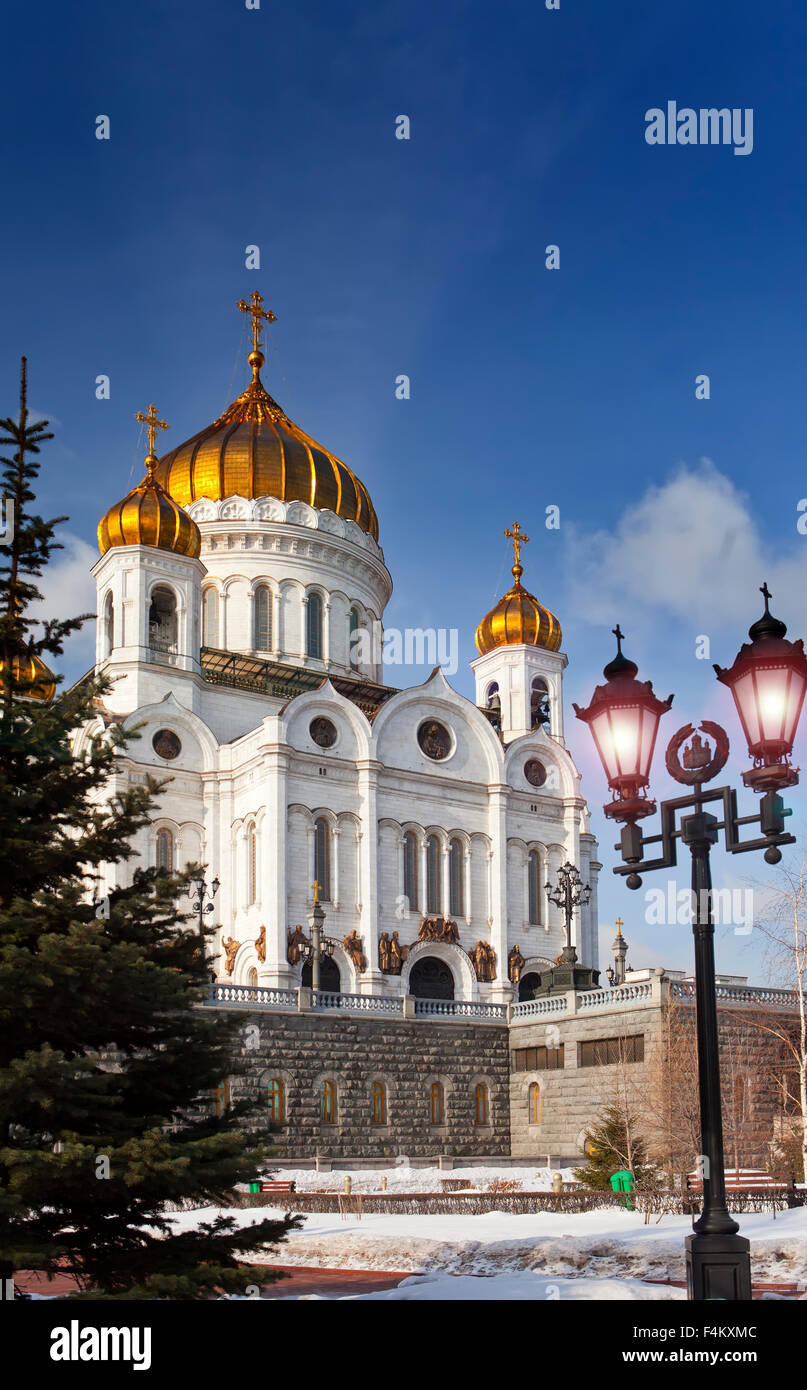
236, 588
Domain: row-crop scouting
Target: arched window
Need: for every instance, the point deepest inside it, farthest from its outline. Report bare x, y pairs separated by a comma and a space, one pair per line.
327, 1102
322, 858
379, 1103
456, 878
252, 977
275, 1100
165, 851
534, 891
434, 896
539, 703
109, 625
210, 618
431, 978
481, 1098
163, 619
437, 1103
353, 623
252, 865
410, 870
313, 625
262, 636
535, 1103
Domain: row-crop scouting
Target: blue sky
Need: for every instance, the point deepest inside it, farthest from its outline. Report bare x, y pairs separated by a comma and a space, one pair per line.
530, 387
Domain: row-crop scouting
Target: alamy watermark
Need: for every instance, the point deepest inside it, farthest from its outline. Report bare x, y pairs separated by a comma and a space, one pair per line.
708, 126
414, 646
733, 907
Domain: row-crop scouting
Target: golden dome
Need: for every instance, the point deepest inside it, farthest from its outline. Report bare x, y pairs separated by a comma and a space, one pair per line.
30, 668
254, 450
148, 516
518, 618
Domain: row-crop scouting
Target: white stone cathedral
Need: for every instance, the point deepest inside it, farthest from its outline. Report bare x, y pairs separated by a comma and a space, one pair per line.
233, 588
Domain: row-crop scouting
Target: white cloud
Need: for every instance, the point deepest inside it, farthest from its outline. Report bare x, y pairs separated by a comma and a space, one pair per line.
68, 589
690, 548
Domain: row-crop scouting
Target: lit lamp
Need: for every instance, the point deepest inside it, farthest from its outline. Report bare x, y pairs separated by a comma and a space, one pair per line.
623, 718
768, 681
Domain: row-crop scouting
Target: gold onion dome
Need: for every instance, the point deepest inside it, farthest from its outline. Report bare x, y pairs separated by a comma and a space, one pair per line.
254, 450
147, 515
518, 619
29, 672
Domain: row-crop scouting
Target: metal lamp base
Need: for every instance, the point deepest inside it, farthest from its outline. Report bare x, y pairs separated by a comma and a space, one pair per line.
718, 1268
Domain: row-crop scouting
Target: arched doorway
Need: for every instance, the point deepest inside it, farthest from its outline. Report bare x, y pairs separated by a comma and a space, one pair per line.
330, 981
527, 986
431, 978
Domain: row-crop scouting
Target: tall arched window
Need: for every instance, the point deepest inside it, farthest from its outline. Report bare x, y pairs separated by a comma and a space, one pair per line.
539, 703
165, 851
434, 896
379, 1103
210, 618
163, 619
456, 878
410, 870
437, 1103
534, 891
109, 625
535, 1103
313, 625
353, 623
322, 858
252, 977
275, 1100
252, 865
327, 1103
262, 635
481, 1099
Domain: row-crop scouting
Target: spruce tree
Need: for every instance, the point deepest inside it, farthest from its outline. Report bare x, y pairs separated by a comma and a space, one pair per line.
108, 1056
612, 1144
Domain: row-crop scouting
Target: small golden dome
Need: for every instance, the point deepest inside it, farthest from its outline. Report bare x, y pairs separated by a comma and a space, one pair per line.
518, 618
31, 668
148, 516
254, 450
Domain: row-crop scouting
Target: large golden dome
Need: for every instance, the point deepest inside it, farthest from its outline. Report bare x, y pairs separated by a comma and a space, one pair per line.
148, 516
254, 450
518, 619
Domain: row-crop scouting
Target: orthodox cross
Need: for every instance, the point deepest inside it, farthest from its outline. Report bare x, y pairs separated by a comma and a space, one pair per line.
516, 535
315, 887
619, 924
620, 637
151, 423
257, 312
766, 594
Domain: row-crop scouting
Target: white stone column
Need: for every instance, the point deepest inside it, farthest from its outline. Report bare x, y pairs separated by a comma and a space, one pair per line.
274, 850
501, 988
372, 981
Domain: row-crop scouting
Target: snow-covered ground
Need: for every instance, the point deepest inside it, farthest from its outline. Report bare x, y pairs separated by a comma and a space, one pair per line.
605, 1245
403, 1178
514, 1288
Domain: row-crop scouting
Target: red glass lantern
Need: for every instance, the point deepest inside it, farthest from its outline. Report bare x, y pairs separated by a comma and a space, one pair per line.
768, 681
624, 717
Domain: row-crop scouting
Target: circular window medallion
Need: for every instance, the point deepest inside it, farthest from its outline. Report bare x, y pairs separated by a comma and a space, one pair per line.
535, 772
434, 740
323, 732
166, 744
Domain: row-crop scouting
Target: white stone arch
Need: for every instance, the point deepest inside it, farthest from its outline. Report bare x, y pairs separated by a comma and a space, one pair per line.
436, 697
298, 713
347, 971
169, 709
538, 744
465, 982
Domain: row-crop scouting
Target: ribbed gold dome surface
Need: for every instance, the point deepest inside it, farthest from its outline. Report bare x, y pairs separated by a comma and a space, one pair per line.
254, 450
148, 516
31, 668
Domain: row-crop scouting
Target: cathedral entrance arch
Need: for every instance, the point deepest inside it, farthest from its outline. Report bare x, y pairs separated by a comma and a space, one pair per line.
431, 978
330, 981
527, 986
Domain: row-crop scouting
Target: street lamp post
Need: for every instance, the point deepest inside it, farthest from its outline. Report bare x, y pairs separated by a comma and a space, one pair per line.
204, 903
569, 892
320, 946
768, 681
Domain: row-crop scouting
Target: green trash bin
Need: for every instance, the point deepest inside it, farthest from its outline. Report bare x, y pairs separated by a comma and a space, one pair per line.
624, 1181
254, 1187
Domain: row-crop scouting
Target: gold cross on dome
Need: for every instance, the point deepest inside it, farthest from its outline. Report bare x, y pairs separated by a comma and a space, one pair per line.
256, 310
315, 887
152, 424
517, 536
619, 924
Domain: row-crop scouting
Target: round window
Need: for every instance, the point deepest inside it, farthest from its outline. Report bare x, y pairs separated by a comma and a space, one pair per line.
323, 732
434, 740
166, 744
535, 772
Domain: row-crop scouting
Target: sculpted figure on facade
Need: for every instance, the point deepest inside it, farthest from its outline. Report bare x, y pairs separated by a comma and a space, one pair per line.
483, 959
515, 965
296, 939
260, 945
230, 952
353, 945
